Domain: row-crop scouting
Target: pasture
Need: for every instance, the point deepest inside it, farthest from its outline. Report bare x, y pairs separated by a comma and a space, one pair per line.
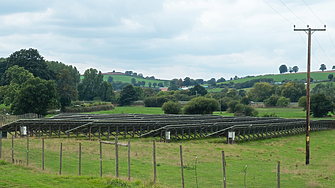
260, 157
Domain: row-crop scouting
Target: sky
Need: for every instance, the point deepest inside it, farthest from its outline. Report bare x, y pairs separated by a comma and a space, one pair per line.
172, 38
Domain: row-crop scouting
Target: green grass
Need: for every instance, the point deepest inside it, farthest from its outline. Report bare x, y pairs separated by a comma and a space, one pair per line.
260, 156
289, 76
127, 79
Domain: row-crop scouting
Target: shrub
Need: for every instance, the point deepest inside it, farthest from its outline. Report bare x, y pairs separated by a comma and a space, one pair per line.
201, 105
250, 111
269, 115
150, 102
232, 105
283, 101
321, 105
171, 107
271, 101
245, 100
302, 102
224, 103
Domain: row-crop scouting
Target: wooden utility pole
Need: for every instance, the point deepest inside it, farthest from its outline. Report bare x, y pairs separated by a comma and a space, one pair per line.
308, 31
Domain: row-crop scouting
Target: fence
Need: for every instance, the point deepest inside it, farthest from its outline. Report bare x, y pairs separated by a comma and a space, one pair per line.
63, 158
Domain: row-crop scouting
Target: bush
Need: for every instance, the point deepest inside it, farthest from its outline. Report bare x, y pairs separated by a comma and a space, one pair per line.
201, 105
150, 102
271, 101
171, 107
269, 115
245, 100
250, 111
302, 102
283, 101
224, 103
321, 105
232, 105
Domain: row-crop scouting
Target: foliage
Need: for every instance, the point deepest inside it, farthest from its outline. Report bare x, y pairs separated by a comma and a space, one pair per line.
330, 77
139, 93
127, 96
249, 111
224, 103
271, 101
245, 100
110, 79
198, 89
173, 88
171, 107
35, 96
295, 69
269, 115
302, 102
323, 67
31, 61
232, 106
201, 105
260, 92
66, 88
58, 66
293, 90
282, 69
321, 105
283, 102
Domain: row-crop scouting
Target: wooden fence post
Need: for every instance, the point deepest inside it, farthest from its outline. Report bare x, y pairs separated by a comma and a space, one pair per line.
181, 166
42, 153
128, 159
60, 159
278, 174
27, 149
79, 159
224, 169
116, 157
100, 160
13, 149
154, 159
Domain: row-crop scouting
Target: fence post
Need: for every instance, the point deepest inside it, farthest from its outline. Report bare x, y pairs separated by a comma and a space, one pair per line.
154, 159
60, 159
42, 153
13, 149
79, 159
116, 158
100, 160
27, 149
278, 174
128, 159
181, 166
224, 169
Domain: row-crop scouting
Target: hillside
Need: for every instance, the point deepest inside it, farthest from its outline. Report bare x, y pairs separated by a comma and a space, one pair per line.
318, 75
127, 79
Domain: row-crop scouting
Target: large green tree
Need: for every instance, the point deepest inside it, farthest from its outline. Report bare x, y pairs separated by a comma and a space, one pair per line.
201, 105
323, 67
89, 88
293, 90
32, 61
35, 96
58, 66
321, 105
282, 69
198, 89
66, 88
127, 96
260, 91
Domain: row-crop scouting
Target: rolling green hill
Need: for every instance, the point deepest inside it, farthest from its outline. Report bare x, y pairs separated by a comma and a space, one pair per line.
290, 76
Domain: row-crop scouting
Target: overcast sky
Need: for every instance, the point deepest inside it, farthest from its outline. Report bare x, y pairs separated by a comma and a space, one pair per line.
171, 39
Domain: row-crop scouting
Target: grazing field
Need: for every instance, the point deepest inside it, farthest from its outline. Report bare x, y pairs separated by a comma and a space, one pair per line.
132, 110
260, 157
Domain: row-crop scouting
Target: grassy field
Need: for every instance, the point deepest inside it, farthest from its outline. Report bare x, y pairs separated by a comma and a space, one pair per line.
260, 157
289, 76
132, 110
127, 79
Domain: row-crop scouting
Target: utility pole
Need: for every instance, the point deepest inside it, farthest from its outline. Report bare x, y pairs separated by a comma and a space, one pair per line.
308, 31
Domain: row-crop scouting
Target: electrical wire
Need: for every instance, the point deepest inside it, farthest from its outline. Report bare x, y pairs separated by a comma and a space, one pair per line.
292, 12
322, 48
302, 38
278, 12
313, 12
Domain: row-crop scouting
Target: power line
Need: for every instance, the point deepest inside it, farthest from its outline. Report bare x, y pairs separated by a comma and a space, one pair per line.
331, 39
302, 38
292, 12
278, 12
313, 12
322, 49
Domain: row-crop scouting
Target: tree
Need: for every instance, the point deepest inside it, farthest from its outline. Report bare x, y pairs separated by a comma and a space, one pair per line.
171, 107
66, 88
198, 89
173, 88
31, 61
330, 77
282, 69
160, 84
323, 67
290, 69
127, 95
224, 103
221, 80
149, 84
302, 102
200, 81
154, 84
106, 92
283, 102
140, 75
139, 93
260, 91
232, 106
295, 69
321, 105
271, 101
90, 87
293, 90
110, 79
3, 65
201, 105
133, 81
35, 96
333, 68
187, 81
58, 66
143, 83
